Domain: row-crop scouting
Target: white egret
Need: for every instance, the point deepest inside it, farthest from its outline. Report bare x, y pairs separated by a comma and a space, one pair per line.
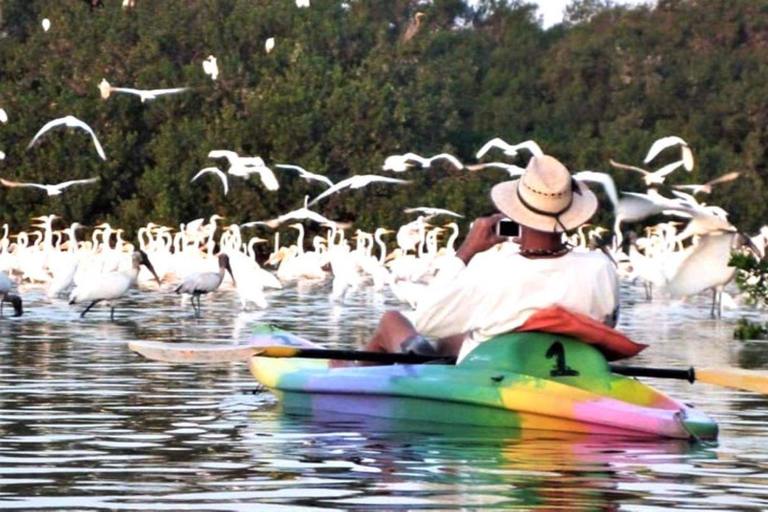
218, 172
71, 122
2, 155
210, 67
605, 180
200, 283
244, 166
46, 24
400, 163
512, 170
144, 95
269, 45
413, 27
431, 212
666, 142
302, 3
303, 173
300, 214
706, 188
510, 149
52, 190
651, 178
706, 267
356, 182
3, 116
111, 286
5, 296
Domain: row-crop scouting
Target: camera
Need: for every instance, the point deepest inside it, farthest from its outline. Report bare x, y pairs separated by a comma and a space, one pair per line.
509, 228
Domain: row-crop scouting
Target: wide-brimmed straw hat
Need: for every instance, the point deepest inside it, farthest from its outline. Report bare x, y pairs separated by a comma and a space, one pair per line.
546, 197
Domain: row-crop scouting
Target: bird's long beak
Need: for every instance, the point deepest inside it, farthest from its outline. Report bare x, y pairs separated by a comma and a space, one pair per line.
229, 269
145, 261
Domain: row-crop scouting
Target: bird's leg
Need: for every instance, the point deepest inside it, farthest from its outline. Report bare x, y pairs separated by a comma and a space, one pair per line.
82, 315
199, 309
1, 306
112, 313
714, 300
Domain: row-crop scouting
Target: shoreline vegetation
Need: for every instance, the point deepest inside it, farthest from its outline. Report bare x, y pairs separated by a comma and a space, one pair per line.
342, 89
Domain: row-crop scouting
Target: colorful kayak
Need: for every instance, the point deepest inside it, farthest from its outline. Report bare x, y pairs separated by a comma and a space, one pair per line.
529, 380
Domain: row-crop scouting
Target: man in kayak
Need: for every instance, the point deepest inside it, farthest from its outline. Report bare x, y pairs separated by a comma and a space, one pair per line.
481, 293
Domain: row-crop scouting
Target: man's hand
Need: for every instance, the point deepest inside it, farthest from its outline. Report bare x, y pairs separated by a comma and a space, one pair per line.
482, 236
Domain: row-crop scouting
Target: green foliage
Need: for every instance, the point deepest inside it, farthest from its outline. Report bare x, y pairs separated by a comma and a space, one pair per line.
340, 92
746, 330
751, 277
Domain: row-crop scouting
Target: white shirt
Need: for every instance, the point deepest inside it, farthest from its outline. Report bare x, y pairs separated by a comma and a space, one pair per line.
497, 292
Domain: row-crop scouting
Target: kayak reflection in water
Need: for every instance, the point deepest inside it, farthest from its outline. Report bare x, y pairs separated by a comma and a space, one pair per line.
494, 284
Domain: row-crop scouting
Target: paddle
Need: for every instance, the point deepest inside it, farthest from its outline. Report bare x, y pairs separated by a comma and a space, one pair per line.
736, 378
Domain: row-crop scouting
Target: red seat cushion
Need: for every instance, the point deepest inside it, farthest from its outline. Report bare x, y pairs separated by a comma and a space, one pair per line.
557, 320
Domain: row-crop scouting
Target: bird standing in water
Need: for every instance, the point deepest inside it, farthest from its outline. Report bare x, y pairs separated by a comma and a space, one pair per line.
111, 286
200, 283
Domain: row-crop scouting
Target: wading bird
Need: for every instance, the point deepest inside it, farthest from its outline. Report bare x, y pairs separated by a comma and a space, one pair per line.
400, 163
200, 283
512, 170
3, 116
210, 67
145, 95
244, 166
651, 178
510, 149
269, 45
218, 172
5, 296
300, 214
303, 173
666, 142
706, 188
71, 122
46, 24
52, 190
356, 182
413, 27
431, 212
111, 286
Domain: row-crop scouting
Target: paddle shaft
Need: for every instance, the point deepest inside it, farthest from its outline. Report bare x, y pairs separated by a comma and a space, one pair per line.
383, 357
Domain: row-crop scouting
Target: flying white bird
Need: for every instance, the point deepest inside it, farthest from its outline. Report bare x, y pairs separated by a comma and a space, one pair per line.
210, 67
400, 163
431, 212
46, 24
53, 190
512, 170
71, 122
269, 44
306, 174
605, 180
145, 95
302, 3
2, 155
651, 178
510, 149
706, 188
356, 182
665, 142
244, 166
300, 214
3, 116
218, 172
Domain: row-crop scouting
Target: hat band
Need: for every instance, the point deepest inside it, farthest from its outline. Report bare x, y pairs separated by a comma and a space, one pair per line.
555, 215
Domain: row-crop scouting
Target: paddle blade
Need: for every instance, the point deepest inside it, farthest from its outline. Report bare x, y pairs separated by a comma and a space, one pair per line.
736, 378
192, 353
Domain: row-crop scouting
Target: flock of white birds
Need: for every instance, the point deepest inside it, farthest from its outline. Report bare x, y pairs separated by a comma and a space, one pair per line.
194, 258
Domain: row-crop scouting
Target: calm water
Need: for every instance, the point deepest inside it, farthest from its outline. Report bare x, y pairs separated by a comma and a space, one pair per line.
85, 424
